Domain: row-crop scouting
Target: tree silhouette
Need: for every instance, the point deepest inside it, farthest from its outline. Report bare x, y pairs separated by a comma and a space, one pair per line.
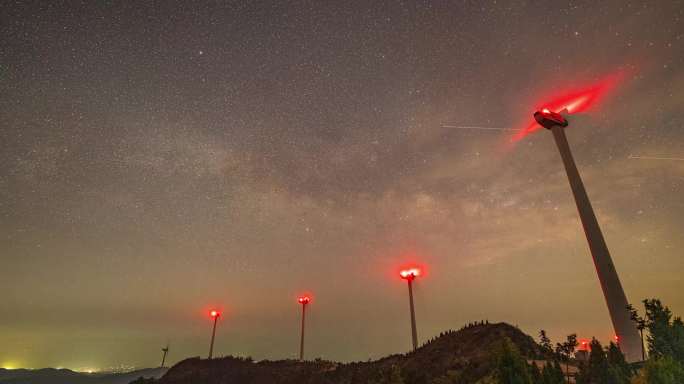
604, 367
619, 370
545, 342
663, 370
641, 325
553, 373
666, 335
511, 367
565, 350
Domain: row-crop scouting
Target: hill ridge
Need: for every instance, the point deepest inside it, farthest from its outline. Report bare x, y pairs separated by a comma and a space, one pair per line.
465, 353
67, 376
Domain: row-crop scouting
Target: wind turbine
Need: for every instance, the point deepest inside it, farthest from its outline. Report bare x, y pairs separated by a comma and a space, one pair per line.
164, 351
215, 314
409, 275
304, 301
625, 332
550, 118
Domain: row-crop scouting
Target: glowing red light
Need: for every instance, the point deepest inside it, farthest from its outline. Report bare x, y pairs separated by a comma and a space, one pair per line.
584, 345
575, 101
304, 300
214, 313
409, 274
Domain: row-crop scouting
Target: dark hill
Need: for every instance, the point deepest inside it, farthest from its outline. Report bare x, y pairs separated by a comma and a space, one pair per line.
66, 376
462, 356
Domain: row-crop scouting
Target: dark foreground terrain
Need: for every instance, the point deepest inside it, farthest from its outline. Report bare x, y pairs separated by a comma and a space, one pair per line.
66, 376
462, 356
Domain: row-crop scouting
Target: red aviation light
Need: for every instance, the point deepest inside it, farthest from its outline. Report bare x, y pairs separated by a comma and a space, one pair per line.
584, 345
410, 274
304, 300
574, 101
214, 314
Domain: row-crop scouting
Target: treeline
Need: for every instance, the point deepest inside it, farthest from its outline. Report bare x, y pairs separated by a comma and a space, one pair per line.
450, 332
665, 340
477, 353
604, 365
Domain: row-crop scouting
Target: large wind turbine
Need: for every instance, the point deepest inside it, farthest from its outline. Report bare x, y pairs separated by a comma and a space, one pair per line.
549, 117
626, 333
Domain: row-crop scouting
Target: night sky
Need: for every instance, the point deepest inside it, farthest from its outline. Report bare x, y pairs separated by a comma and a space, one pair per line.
159, 159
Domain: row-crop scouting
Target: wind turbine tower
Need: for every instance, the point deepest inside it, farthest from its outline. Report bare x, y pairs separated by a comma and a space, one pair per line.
304, 301
409, 275
626, 333
164, 351
214, 315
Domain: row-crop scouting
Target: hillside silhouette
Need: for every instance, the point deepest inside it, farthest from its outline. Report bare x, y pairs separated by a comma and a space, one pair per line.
462, 356
67, 376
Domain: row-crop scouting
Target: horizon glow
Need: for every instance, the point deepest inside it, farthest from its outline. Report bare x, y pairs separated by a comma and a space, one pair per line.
195, 172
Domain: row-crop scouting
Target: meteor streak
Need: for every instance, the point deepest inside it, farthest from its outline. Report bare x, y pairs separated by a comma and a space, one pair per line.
479, 128
655, 158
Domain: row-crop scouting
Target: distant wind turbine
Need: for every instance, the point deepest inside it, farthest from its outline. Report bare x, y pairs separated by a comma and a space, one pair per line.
165, 351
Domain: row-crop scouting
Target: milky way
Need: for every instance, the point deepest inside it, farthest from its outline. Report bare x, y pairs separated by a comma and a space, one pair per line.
160, 160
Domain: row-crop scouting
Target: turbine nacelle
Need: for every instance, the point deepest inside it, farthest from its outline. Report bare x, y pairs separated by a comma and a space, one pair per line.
409, 274
548, 119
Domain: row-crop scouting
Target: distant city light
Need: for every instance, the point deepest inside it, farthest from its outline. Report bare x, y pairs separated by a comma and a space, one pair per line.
9, 365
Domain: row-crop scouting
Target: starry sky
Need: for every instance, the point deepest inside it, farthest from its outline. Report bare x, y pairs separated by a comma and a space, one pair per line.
159, 159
